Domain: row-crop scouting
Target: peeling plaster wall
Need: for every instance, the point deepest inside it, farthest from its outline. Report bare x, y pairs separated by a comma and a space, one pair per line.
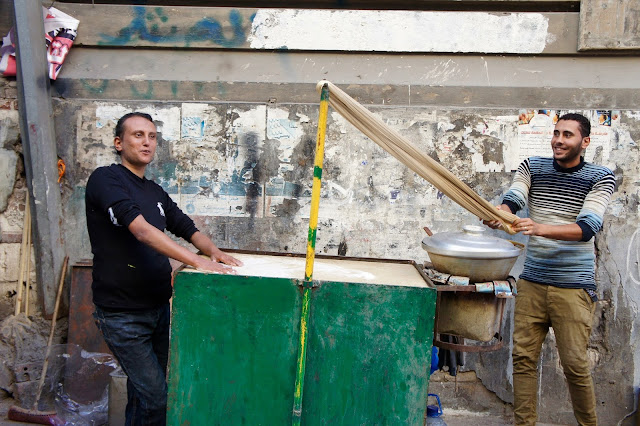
254, 162
12, 202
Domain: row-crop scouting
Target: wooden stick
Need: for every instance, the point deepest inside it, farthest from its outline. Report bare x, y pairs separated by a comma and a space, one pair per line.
27, 270
311, 253
26, 221
53, 327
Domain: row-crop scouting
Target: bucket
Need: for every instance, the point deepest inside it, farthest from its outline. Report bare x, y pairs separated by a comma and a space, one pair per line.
434, 410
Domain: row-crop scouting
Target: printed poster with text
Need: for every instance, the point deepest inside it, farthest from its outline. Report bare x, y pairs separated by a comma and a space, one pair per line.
535, 129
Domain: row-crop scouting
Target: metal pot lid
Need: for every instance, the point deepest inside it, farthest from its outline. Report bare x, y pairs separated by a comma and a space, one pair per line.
471, 243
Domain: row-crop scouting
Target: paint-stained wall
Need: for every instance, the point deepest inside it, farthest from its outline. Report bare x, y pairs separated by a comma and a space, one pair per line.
254, 162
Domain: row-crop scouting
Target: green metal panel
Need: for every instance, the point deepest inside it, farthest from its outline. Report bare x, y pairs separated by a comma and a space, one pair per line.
234, 346
233, 350
369, 354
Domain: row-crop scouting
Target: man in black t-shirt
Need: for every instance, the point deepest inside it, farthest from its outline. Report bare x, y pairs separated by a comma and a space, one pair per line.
126, 218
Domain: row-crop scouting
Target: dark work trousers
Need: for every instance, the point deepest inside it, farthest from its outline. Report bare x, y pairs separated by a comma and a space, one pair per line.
140, 342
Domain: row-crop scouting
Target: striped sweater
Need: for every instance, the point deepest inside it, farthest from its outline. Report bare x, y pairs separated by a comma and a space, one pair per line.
559, 196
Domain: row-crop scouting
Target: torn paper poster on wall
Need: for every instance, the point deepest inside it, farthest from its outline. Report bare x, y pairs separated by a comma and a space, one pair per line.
535, 130
60, 30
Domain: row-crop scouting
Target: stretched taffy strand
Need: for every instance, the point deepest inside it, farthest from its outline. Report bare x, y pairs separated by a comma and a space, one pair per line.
425, 166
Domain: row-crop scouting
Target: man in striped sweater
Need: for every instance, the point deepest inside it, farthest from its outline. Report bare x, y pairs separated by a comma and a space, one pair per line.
567, 199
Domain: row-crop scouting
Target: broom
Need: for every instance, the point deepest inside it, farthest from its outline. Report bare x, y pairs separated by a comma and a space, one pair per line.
34, 415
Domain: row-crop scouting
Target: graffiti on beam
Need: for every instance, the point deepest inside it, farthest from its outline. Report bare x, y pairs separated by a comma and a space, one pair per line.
98, 88
148, 94
140, 89
151, 25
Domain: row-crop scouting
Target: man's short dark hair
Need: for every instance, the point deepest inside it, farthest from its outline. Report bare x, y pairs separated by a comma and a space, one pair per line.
120, 126
584, 125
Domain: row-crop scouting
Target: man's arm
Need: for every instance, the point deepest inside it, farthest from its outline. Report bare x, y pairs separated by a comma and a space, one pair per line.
569, 232
205, 245
148, 234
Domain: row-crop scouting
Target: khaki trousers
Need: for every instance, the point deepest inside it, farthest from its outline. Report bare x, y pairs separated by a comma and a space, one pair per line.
570, 313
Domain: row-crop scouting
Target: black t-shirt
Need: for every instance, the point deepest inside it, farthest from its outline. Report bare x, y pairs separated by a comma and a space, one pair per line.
128, 274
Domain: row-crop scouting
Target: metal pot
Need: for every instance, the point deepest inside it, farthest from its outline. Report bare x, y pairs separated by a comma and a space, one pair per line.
472, 254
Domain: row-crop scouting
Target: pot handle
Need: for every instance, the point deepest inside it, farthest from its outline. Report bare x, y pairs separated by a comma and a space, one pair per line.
428, 231
517, 244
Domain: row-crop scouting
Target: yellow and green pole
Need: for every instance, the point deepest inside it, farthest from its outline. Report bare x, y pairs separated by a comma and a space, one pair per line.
311, 252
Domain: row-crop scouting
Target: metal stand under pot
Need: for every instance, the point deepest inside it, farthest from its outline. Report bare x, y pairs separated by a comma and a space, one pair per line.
471, 274
469, 311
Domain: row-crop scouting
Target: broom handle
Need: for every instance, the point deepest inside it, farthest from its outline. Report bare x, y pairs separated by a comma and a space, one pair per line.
23, 247
27, 271
53, 327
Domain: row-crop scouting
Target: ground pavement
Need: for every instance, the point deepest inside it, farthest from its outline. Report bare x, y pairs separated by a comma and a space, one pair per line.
449, 417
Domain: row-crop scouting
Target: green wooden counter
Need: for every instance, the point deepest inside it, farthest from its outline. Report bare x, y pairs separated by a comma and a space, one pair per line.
234, 341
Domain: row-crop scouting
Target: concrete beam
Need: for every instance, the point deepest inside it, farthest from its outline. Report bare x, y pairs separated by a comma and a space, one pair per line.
609, 24
372, 4
329, 30
390, 95
436, 80
39, 148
